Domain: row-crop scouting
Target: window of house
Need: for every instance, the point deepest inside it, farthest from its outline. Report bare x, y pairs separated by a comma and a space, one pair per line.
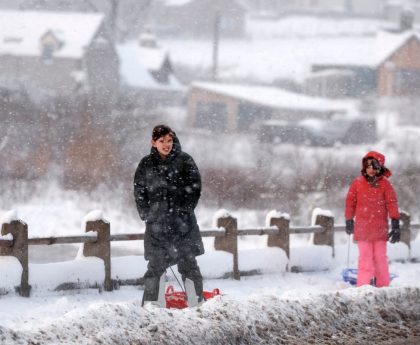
228, 23
407, 82
212, 115
47, 52
12, 39
249, 113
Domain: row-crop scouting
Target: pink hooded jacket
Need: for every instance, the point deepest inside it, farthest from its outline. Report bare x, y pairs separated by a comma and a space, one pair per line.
372, 204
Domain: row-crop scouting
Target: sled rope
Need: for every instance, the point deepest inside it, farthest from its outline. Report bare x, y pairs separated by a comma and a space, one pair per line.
179, 283
348, 251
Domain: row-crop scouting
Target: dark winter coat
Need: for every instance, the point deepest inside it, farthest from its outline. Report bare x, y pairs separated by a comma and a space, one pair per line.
372, 204
166, 194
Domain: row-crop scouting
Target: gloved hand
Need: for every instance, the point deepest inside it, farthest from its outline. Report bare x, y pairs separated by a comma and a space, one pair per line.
395, 233
349, 226
182, 221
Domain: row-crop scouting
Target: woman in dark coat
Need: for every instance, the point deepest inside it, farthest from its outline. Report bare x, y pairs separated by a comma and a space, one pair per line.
167, 187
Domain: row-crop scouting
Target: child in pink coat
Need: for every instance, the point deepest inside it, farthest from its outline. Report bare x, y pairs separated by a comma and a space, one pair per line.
371, 199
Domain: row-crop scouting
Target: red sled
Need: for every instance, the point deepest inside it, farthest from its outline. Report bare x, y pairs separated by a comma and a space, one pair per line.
178, 299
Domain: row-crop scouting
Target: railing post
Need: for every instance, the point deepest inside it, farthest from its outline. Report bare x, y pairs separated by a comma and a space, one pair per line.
229, 242
101, 248
405, 229
327, 236
282, 238
19, 249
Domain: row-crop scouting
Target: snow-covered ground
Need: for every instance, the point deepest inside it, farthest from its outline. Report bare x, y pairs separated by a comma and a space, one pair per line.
286, 308
273, 307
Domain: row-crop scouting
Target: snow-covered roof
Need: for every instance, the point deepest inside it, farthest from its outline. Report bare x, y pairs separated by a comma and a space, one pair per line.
299, 25
136, 63
369, 53
275, 97
152, 58
180, 3
177, 2
21, 31
330, 72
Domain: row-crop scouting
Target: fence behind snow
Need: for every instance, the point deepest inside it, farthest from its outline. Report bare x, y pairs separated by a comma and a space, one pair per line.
97, 241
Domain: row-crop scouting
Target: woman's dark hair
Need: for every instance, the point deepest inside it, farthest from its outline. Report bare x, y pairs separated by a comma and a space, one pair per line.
162, 130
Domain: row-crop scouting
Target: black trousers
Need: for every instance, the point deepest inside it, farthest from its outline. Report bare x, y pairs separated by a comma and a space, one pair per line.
162, 258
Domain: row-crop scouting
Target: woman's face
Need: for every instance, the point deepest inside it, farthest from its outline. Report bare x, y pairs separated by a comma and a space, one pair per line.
163, 145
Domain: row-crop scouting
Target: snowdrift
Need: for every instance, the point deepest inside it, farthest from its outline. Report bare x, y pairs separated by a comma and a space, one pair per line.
363, 315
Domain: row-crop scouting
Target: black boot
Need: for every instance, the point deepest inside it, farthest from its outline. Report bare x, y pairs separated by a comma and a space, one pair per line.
194, 279
373, 281
154, 290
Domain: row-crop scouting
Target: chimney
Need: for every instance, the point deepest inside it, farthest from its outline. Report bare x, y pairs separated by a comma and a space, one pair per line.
406, 20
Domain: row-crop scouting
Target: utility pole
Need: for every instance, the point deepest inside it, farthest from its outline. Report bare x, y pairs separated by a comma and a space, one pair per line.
349, 6
216, 34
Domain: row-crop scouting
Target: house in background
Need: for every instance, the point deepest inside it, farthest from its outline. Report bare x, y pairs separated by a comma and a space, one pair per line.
388, 66
54, 53
394, 10
229, 107
330, 83
371, 8
47, 5
146, 74
196, 18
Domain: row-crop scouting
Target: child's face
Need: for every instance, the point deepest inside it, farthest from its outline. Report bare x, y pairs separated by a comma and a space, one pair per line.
163, 145
370, 170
